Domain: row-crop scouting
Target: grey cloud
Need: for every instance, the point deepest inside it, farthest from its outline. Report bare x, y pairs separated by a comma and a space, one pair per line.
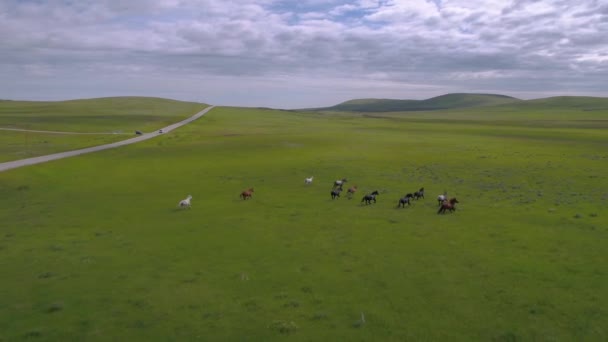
589, 39
471, 48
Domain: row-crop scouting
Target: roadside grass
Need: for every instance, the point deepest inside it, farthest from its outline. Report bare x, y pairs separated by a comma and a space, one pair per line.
122, 115
101, 115
20, 145
97, 250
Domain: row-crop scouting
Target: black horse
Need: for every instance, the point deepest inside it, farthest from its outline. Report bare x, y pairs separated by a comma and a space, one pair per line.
369, 198
335, 193
419, 194
448, 205
405, 200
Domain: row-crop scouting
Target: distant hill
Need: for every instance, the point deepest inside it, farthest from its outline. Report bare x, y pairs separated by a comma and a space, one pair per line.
448, 101
122, 105
127, 113
584, 103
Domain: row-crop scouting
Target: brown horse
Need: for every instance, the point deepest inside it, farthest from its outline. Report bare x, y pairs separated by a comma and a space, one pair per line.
351, 191
247, 193
448, 205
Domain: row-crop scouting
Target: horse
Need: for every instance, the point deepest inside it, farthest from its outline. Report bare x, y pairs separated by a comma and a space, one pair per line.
369, 198
339, 182
247, 193
404, 200
442, 198
335, 193
351, 191
308, 180
419, 194
448, 205
185, 203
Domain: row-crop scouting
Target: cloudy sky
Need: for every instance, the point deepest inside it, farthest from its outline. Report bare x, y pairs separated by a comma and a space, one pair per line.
302, 53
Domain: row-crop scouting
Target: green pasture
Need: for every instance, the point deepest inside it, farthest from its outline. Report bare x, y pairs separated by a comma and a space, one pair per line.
567, 112
16, 145
94, 248
119, 115
101, 115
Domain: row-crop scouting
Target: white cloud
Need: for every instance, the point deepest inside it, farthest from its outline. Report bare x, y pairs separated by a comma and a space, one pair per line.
414, 47
401, 11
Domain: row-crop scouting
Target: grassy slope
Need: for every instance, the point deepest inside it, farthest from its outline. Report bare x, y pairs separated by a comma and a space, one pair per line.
125, 114
21, 145
523, 258
435, 103
117, 114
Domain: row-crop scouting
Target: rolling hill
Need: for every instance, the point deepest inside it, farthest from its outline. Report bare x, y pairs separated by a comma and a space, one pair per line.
125, 113
582, 103
448, 101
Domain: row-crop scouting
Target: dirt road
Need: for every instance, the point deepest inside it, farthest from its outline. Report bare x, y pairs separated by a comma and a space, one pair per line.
42, 159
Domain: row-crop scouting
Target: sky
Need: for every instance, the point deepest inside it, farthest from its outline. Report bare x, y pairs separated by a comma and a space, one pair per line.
301, 54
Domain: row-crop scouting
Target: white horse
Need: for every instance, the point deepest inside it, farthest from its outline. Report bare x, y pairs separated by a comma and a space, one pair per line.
185, 203
339, 182
308, 180
442, 198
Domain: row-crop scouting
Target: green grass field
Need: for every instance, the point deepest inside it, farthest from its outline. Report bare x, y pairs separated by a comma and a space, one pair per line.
448, 101
20, 145
122, 115
94, 248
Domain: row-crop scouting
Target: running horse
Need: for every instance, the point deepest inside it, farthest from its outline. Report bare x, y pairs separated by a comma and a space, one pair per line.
335, 193
351, 191
405, 200
448, 205
419, 194
247, 193
369, 198
339, 183
442, 198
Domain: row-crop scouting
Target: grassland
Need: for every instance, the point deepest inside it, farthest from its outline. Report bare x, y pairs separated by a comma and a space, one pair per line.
448, 101
104, 115
96, 250
21, 145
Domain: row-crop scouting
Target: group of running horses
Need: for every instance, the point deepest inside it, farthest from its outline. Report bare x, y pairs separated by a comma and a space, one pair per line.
444, 203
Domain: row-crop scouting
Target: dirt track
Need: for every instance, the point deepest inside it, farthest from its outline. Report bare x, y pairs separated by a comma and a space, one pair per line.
42, 159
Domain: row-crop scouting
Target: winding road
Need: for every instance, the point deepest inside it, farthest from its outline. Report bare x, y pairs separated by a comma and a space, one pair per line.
42, 159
